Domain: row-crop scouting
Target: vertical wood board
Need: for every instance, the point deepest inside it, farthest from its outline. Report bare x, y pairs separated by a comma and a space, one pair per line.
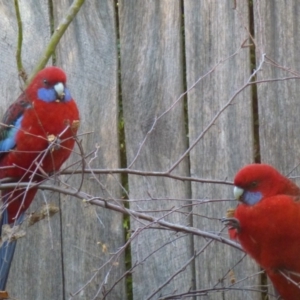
152, 80
277, 31
40, 249
91, 235
214, 33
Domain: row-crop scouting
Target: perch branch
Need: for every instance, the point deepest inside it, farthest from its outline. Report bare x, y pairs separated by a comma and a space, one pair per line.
106, 204
145, 173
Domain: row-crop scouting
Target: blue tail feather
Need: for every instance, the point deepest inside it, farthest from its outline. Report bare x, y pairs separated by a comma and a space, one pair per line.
7, 251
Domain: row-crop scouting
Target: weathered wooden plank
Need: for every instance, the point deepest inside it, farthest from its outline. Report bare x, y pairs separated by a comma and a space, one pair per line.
278, 101
91, 236
277, 31
152, 79
35, 271
214, 33
36, 32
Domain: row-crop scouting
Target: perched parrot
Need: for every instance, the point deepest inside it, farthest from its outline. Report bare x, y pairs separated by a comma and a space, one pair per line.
267, 224
37, 135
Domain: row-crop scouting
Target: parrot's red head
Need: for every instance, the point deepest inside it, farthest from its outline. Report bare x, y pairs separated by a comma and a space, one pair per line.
257, 181
49, 85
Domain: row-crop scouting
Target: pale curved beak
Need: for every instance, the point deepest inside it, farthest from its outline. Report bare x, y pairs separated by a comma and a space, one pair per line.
60, 90
237, 192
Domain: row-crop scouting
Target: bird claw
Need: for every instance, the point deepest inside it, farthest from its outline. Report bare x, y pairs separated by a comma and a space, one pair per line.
232, 223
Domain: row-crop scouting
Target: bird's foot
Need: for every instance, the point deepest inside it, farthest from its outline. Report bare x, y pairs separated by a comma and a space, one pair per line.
232, 223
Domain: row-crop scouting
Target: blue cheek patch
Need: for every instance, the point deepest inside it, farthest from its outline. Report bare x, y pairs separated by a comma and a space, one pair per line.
251, 198
10, 141
68, 96
49, 95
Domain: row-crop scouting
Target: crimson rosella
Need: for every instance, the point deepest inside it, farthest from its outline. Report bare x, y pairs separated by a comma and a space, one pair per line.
36, 137
267, 224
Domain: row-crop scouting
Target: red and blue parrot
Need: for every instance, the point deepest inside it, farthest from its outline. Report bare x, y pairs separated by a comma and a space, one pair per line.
267, 224
37, 135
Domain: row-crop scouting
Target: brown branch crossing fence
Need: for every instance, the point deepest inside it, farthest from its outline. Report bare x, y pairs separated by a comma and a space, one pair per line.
175, 97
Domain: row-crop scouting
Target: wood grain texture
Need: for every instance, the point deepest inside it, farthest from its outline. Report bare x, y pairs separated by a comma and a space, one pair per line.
214, 34
277, 38
161, 50
40, 249
36, 27
152, 80
277, 31
91, 236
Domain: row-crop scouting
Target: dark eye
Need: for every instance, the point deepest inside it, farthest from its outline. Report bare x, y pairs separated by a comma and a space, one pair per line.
46, 82
253, 184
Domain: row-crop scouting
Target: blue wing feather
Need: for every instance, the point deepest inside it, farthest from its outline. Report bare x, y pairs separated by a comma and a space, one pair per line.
11, 123
9, 141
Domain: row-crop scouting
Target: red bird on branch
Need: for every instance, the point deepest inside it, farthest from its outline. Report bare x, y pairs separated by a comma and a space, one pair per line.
37, 135
267, 224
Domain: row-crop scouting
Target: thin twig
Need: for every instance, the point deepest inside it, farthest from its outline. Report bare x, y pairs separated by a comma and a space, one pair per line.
214, 119
181, 97
126, 211
21, 70
57, 35
147, 173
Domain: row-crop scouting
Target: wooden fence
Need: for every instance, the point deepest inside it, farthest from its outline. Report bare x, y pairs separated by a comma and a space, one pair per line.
177, 75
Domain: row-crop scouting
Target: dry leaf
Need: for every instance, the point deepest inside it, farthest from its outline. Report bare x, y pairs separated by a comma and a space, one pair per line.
75, 124
11, 233
47, 210
4, 295
232, 277
51, 138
